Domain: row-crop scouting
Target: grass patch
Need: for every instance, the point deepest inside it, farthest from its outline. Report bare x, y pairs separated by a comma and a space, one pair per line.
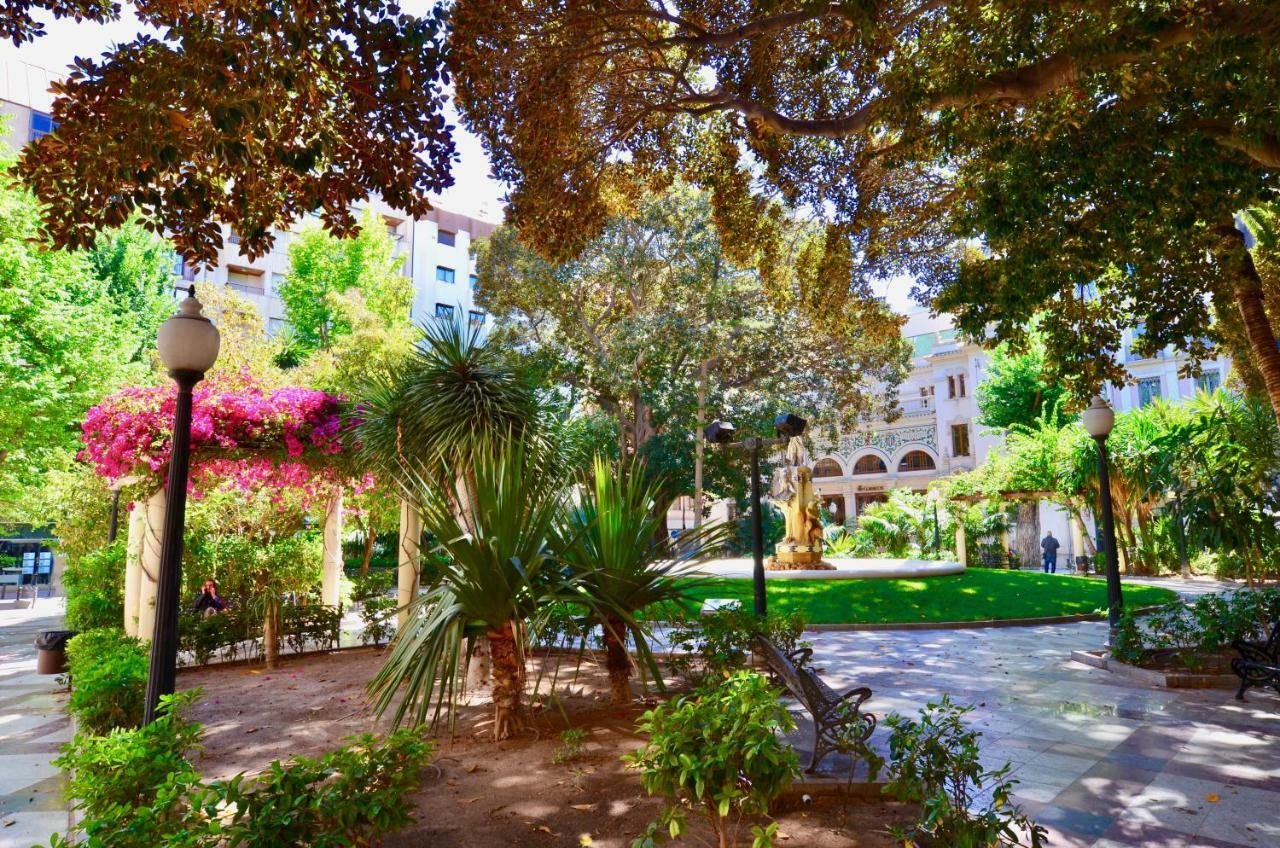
976, 595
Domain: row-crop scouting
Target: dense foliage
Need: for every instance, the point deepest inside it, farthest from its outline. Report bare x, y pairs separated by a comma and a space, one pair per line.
139, 789
1199, 630
94, 588
717, 753
108, 674
709, 647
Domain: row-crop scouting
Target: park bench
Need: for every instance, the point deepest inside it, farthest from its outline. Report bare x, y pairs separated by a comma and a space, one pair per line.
839, 725
1258, 663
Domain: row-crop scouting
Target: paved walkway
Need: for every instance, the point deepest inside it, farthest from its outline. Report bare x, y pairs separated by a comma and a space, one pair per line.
33, 726
1100, 763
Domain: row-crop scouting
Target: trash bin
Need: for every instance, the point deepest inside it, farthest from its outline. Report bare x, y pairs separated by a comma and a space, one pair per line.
51, 651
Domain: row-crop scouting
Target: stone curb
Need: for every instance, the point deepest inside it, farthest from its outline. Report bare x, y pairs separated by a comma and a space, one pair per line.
1152, 677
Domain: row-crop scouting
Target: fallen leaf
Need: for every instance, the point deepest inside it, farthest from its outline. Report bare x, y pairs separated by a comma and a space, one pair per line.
10, 822
586, 808
585, 839
469, 800
544, 829
252, 730
1213, 798
473, 768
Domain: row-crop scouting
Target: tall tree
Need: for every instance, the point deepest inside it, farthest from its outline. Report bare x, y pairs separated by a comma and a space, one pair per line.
654, 302
138, 268
1014, 390
1105, 143
321, 264
62, 348
249, 113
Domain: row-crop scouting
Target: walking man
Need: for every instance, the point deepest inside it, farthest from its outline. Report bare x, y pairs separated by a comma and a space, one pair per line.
1050, 547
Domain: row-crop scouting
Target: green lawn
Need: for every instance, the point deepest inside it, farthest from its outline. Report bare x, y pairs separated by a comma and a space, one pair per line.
976, 595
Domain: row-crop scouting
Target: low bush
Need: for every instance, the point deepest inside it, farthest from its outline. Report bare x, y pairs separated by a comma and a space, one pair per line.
108, 674
1198, 630
717, 753
139, 789
717, 644
312, 625
94, 584
934, 762
377, 608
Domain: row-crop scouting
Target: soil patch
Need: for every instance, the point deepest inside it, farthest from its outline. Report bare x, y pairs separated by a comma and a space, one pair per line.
478, 793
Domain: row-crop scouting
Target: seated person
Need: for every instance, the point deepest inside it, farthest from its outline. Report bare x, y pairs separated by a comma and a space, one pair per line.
209, 602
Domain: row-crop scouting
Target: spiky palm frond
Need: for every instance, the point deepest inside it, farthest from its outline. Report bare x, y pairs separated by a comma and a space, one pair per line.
500, 573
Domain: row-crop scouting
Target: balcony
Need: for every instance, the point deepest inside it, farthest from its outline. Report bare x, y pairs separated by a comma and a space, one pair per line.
916, 407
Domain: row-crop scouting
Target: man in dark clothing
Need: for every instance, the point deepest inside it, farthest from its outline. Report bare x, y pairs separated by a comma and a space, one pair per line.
1050, 547
209, 602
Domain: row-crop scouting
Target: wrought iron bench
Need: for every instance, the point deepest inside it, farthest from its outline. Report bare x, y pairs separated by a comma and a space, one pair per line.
838, 722
1258, 663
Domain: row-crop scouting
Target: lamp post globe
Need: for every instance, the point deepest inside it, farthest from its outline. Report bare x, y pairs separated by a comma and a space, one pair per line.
1098, 420
188, 344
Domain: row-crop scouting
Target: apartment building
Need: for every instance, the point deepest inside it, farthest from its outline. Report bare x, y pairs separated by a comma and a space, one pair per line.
436, 249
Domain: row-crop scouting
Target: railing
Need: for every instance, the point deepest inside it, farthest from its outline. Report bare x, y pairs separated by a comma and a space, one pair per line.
914, 407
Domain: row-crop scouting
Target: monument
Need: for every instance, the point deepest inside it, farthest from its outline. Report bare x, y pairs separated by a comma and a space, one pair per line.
801, 547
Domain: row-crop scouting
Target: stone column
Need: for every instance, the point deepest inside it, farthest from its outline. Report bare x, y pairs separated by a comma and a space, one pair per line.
962, 555
133, 567
332, 551
152, 538
407, 573
1077, 538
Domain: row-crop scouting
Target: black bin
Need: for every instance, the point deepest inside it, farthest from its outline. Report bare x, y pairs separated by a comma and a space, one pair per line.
51, 651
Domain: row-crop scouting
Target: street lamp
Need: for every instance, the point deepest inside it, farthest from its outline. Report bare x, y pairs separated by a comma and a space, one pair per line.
1175, 505
785, 426
1098, 419
188, 344
932, 498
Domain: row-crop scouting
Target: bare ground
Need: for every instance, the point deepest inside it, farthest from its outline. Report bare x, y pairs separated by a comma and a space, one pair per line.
480, 793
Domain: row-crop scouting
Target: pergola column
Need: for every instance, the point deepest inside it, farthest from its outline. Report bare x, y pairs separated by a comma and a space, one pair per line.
407, 573
962, 553
332, 550
133, 567
149, 564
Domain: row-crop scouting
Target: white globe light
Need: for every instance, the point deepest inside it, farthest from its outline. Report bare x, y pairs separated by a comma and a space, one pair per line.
188, 341
1099, 418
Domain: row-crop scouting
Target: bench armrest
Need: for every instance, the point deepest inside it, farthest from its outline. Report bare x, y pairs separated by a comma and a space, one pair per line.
1253, 651
800, 656
857, 695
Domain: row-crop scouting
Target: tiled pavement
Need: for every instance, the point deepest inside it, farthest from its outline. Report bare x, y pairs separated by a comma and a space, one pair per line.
1100, 763
33, 726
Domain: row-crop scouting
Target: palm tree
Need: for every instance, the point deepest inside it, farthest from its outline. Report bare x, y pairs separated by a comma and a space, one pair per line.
614, 541
500, 577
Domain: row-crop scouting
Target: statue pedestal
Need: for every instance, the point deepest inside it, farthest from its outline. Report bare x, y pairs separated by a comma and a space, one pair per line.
792, 556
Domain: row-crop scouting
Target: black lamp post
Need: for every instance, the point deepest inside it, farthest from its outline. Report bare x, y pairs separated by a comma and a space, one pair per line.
188, 344
1098, 419
721, 433
113, 525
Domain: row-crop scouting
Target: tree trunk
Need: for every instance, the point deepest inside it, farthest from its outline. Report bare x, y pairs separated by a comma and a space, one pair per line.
699, 445
1257, 327
508, 682
271, 634
1026, 543
617, 660
369, 540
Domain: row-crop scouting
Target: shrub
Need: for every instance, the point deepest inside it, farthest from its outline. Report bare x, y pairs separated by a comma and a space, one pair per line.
573, 744
377, 610
94, 583
717, 644
1200, 629
934, 762
108, 672
717, 753
138, 789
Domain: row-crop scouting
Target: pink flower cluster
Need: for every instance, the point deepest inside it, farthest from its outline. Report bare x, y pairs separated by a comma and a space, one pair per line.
239, 431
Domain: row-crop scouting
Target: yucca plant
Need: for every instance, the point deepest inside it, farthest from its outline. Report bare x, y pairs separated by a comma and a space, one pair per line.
501, 577
614, 541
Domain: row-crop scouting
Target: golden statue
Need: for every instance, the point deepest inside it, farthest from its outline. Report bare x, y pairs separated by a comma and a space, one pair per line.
802, 546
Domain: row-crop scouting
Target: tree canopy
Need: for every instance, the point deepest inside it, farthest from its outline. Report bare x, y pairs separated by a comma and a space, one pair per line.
246, 113
1014, 390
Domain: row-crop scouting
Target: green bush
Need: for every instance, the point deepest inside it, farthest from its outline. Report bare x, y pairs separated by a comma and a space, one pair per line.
377, 608
108, 672
94, 583
717, 753
1200, 629
934, 762
717, 644
139, 789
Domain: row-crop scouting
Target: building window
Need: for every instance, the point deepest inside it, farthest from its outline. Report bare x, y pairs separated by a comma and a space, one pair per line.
475, 282
477, 319
275, 326
1148, 390
869, 464
447, 238
960, 385
916, 461
41, 124
443, 274
827, 468
245, 280
1208, 381
444, 311
233, 237
959, 439
277, 280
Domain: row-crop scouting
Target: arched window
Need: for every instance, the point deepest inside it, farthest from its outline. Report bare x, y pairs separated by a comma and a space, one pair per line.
827, 468
869, 464
916, 461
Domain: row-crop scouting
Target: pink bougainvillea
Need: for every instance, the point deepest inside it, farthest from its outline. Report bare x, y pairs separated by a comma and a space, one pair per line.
240, 432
